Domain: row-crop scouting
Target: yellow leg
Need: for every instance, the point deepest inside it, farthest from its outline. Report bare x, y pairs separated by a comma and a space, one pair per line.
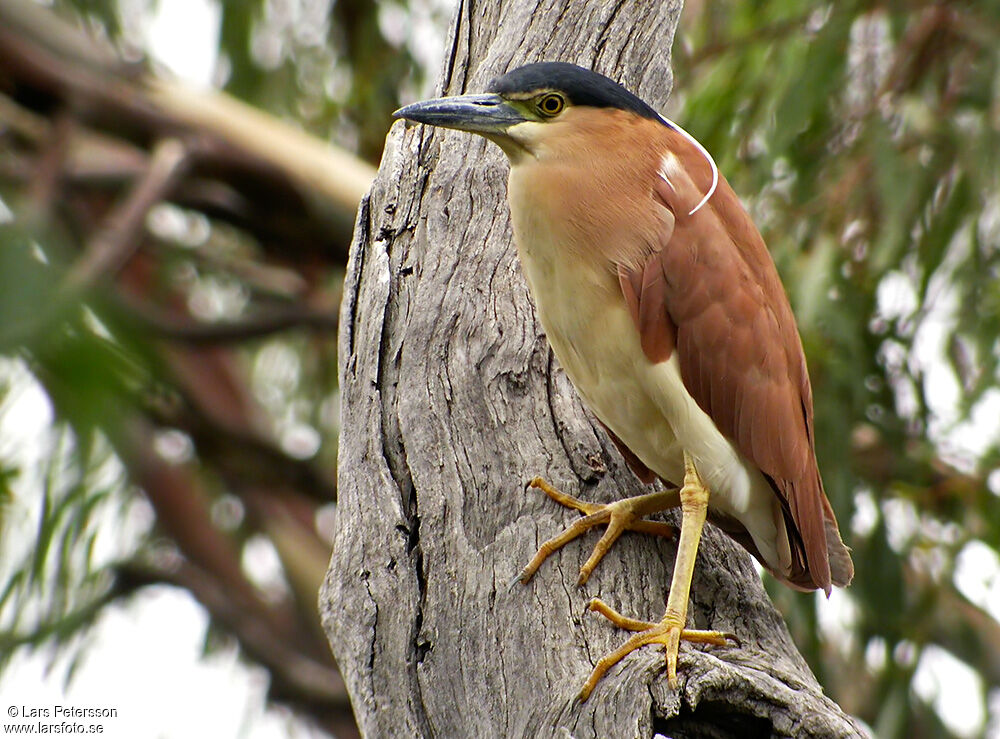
669, 631
620, 516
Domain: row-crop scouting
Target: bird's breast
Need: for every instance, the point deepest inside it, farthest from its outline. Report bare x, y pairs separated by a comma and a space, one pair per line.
579, 302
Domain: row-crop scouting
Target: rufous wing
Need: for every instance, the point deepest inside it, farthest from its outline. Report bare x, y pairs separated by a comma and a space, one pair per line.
711, 293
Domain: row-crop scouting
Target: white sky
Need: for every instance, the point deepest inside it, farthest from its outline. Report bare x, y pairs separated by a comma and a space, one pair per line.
183, 35
145, 660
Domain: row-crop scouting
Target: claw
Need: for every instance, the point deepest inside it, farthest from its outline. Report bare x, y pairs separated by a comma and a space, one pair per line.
669, 632
627, 515
620, 516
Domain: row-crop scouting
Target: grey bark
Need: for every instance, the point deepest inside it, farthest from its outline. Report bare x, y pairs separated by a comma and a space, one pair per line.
452, 401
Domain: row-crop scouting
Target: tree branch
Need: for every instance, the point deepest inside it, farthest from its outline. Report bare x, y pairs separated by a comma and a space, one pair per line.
235, 143
190, 331
110, 248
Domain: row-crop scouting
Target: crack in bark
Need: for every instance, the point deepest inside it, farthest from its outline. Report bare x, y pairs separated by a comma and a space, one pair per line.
550, 401
452, 56
602, 38
373, 641
351, 292
394, 455
558, 19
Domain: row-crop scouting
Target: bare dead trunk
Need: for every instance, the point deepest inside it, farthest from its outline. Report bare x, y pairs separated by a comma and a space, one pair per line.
452, 401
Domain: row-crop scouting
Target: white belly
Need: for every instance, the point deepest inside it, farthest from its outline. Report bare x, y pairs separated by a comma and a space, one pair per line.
592, 334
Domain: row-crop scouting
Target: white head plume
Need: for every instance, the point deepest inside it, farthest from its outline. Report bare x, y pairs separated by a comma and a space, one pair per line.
704, 153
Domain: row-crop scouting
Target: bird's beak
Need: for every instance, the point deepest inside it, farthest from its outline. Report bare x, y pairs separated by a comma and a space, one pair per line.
486, 114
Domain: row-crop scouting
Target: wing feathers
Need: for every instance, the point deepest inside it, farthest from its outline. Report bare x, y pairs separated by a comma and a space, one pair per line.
711, 290
645, 297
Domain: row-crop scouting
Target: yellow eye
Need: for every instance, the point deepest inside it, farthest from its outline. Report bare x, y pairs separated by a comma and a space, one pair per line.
550, 104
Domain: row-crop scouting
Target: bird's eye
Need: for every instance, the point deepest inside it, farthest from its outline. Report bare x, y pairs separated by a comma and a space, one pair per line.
551, 104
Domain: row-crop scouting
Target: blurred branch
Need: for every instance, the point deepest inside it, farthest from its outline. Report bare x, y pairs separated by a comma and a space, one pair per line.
289, 522
190, 331
244, 458
52, 63
221, 415
707, 52
968, 632
294, 673
47, 172
261, 278
182, 511
111, 247
319, 167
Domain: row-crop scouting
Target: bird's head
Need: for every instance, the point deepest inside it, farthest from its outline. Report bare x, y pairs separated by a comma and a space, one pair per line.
519, 108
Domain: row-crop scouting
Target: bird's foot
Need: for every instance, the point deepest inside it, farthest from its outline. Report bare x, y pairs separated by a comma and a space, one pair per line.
620, 516
670, 632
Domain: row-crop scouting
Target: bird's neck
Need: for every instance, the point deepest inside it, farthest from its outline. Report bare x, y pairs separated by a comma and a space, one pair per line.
571, 202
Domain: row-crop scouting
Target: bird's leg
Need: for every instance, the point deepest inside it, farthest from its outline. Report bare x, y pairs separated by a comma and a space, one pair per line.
669, 631
620, 516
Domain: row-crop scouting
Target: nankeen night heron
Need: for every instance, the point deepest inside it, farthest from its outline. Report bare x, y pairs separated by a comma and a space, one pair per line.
664, 307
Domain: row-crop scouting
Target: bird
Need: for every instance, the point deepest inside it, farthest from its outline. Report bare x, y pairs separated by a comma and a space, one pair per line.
664, 307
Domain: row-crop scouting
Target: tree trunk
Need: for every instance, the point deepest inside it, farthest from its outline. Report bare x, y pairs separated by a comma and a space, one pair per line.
452, 401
